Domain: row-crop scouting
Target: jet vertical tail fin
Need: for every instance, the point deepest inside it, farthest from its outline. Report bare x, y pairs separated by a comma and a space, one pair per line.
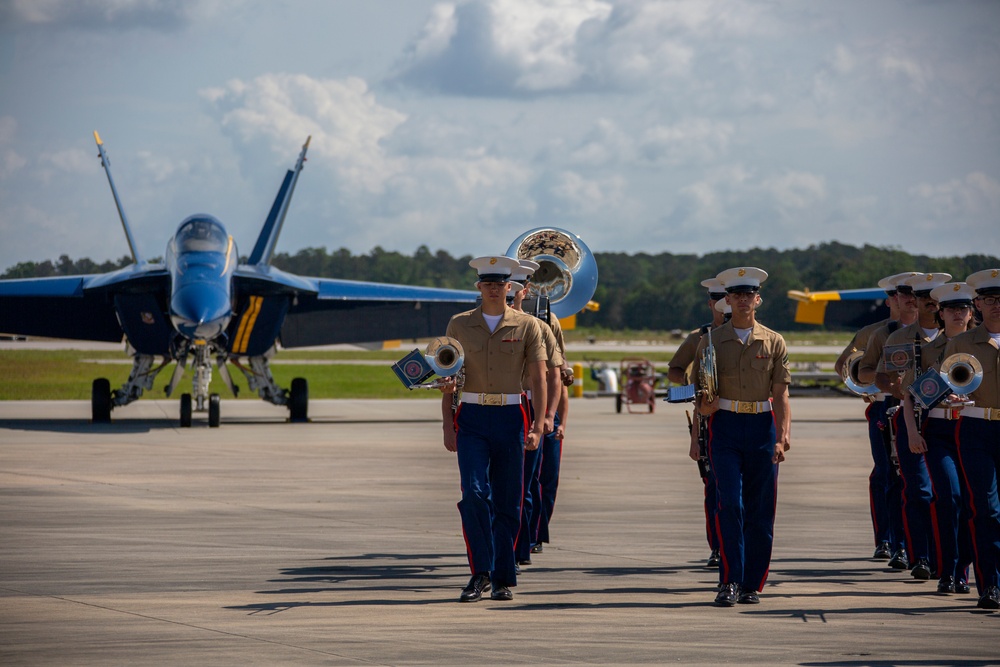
133, 248
268, 238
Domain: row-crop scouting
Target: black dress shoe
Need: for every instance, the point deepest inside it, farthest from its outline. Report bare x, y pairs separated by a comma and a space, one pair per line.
921, 569
517, 569
900, 561
524, 561
882, 552
946, 584
713, 559
477, 585
501, 593
962, 586
749, 597
536, 548
728, 595
990, 599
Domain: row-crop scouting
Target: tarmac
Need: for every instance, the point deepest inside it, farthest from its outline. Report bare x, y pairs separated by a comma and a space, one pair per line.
338, 542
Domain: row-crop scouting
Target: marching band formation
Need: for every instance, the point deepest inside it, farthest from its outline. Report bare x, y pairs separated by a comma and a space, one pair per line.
930, 377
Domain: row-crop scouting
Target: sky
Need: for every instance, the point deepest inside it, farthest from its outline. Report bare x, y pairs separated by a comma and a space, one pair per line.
686, 126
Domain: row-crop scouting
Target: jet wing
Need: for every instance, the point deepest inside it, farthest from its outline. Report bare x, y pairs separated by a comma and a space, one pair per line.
349, 311
83, 307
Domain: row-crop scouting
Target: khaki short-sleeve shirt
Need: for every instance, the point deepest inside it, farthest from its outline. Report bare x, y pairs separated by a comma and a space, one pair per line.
685, 355
560, 338
861, 338
555, 359
748, 371
494, 362
873, 350
979, 344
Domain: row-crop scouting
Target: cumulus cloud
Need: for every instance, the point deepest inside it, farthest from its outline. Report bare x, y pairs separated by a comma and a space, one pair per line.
342, 116
422, 178
533, 47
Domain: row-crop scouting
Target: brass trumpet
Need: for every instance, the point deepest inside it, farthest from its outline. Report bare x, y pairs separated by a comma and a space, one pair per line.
444, 356
963, 373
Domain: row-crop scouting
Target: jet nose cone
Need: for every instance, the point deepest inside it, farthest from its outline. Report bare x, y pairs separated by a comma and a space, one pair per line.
200, 310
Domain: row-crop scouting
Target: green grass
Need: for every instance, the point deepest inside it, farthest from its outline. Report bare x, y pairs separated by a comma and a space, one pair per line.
67, 374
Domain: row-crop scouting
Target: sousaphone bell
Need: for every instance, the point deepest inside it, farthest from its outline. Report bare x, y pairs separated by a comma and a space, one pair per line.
850, 375
567, 272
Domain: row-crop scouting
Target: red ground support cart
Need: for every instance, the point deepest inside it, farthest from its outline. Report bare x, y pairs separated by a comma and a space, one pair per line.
638, 385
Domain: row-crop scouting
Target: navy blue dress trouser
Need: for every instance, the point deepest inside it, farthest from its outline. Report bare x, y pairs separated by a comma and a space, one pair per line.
490, 462
546, 483
917, 496
740, 447
979, 454
884, 485
949, 509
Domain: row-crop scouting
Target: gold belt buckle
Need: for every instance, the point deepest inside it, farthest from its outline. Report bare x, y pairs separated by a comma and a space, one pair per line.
492, 399
993, 414
746, 407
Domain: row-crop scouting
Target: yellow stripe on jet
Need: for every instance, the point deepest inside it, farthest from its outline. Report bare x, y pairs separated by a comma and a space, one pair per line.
812, 297
229, 255
246, 324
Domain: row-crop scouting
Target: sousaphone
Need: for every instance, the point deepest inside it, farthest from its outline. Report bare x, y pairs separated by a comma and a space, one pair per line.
567, 272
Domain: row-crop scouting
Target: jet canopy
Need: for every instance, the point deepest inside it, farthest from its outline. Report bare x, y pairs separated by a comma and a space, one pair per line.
201, 234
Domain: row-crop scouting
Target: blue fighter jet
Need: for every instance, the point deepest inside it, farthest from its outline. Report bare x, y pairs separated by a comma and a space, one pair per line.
202, 306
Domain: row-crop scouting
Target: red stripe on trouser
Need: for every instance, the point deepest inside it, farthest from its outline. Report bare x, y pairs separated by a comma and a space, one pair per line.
906, 521
972, 504
935, 523
468, 549
520, 505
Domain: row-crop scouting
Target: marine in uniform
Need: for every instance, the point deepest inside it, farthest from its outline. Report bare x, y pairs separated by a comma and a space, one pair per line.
679, 372
532, 458
906, 305
979, 435
917, 491
883, 483
749, 424
490, 428
545, 483
931, 433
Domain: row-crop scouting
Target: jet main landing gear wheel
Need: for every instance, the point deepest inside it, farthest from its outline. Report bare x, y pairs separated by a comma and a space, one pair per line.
100, 401
298, 400
185, 410
214, 410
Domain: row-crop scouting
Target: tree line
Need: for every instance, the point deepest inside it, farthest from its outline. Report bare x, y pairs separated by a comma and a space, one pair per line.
635, 291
